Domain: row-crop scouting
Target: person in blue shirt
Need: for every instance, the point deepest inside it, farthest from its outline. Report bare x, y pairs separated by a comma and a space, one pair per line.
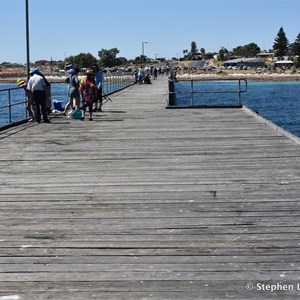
99, 84
73, 89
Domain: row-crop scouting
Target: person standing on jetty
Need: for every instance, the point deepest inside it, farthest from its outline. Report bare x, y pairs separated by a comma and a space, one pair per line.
140, 75
88, 91
47, 92
99, 83
36, 85
155, 73
21, 83
73, 89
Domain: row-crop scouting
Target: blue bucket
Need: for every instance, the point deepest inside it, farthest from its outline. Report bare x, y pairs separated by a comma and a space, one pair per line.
57, 105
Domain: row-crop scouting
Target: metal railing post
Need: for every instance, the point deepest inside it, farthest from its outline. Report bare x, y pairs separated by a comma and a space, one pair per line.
192, 92
9, 106
196, 94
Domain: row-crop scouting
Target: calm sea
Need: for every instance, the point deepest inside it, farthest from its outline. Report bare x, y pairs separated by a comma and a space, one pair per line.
278, 102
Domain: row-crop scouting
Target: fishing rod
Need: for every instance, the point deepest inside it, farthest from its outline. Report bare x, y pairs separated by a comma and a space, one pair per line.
105, 99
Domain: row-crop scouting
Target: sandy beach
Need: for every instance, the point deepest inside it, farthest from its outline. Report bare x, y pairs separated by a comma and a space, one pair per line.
254, 76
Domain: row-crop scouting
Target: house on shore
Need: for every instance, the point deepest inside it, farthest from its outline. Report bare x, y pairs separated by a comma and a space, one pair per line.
254, 62
284, 64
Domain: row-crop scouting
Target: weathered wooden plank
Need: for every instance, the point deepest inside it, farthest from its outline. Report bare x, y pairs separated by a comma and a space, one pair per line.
142, 267
74, 294
148, 203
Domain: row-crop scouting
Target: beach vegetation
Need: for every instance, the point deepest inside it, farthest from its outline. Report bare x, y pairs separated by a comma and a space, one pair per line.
223, 52
194, 50
295, 50
82, 60
108, 57
249, 50
193, 53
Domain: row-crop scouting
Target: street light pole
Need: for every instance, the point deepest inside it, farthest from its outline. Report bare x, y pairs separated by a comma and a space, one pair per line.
143, 46
27, 41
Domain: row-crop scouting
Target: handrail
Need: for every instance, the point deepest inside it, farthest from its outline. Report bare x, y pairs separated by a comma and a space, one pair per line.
10, 104
172, 92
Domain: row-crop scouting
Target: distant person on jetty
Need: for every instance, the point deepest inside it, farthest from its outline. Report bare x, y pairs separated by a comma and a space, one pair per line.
88, 90
135, 75
99, 83
21, 83
155, 73
147, 79
37, 85
140, 75
73, 89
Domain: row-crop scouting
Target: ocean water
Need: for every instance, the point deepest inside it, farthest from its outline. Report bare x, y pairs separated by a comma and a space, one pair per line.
278, 102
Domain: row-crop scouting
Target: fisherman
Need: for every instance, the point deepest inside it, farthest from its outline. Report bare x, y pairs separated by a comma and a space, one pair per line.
99, 83
37, 85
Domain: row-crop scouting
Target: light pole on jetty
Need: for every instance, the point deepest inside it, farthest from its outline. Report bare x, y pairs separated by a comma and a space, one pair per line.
143, 46
27, 40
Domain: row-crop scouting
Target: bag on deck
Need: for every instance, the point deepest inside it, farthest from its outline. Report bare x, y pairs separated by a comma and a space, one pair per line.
77, 114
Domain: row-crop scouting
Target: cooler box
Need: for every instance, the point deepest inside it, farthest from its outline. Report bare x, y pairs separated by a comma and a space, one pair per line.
57, 105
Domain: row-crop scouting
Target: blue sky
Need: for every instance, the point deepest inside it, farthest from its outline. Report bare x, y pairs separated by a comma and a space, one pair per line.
60, 28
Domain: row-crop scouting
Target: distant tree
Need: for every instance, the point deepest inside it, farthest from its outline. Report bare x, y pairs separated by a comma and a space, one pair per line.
281, 44
137, 60
249, 50
140, 59
121, 61
82, 60
108, 58
295, 50
222, 53
202, 51
252, 50
161, 59
194, 50
185, 52
295, 47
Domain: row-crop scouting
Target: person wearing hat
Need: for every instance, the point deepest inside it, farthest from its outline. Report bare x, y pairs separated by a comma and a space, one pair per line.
73, 89
21, 83
47, 90
68, 66
99, 82
37, 85
88, 90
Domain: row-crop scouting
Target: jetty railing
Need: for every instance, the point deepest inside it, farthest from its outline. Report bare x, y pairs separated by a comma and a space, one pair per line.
12, 104
192, 95
14, 110
113, 82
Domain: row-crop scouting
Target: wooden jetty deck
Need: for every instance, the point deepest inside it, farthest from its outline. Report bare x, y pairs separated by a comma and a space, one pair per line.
149, 203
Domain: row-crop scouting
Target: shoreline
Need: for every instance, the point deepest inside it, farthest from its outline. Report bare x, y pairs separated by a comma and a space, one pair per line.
52, 79
195, 75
